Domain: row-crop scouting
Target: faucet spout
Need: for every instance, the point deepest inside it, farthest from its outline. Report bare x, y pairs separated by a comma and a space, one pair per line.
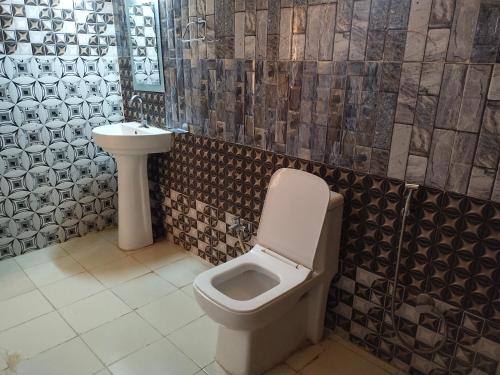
137, 98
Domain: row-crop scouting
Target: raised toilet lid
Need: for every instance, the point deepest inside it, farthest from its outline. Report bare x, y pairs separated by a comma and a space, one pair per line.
293, 215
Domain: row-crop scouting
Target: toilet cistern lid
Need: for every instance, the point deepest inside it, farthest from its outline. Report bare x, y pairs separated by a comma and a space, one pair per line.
293, 215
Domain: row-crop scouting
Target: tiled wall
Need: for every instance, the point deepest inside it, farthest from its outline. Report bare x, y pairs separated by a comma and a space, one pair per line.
451, 249
58, 79
411, 90
408, 89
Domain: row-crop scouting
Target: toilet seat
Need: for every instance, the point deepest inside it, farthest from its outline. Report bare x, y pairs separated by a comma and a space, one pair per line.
287, 274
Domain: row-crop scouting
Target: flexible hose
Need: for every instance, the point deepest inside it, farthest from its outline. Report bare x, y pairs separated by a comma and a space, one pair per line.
432, 310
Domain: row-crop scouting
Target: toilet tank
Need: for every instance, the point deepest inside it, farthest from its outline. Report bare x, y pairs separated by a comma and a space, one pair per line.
298, 217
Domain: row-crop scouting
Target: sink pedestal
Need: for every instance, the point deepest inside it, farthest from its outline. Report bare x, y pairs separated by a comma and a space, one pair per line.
130, 143
134, 212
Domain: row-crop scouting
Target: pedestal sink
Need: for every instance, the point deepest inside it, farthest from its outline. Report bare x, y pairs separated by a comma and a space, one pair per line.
130, 144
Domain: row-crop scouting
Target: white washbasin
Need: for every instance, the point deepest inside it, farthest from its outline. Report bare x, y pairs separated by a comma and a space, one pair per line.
130, 144
128, 138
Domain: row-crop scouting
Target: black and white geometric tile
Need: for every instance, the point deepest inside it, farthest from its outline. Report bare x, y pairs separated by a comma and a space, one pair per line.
55, 183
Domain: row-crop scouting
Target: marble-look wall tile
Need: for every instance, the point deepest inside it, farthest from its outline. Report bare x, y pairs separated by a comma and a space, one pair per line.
314, 18
400, 146
398, 14
344, 15
495, 194
379, 14
285, 33
474, 98
494, 90
461, 161
488, 151
361, 13
408, 91
417, 28
430, 80
491, 118
463, 29
327, 32
239, 35
451, 95
437, 44
439, 158
481, 182
415, 171
442, 13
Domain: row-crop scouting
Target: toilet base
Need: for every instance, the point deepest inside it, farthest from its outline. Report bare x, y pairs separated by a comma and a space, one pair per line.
254, 352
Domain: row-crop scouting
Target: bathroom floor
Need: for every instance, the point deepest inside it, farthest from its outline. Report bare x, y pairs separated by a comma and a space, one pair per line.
85, 307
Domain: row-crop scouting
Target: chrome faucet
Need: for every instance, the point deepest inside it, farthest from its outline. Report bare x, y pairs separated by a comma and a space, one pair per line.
144, 123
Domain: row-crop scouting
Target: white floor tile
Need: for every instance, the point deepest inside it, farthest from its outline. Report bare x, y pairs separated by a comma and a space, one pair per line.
188, 289
41, 256
8, 266
104, 372
72, 357
183, 272
72, 289
14, 283
119, 271
160, 358
197, 340
115, 340
215, 369
99, 253
53, 271
81, 243
337, 360
143, 290
37, 335
171, 312
22, 308
304, 356
159, 254
93, 311
110, 235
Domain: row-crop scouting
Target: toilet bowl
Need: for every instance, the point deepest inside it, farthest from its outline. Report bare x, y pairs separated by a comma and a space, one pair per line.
270, 300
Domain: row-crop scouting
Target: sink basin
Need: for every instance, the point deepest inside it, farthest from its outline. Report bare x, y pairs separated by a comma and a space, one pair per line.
130, 145
129, 139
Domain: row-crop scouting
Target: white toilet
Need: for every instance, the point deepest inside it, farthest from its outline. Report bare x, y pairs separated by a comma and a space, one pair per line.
271, 299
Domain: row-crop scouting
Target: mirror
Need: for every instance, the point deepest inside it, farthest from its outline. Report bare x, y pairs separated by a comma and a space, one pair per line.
145, 44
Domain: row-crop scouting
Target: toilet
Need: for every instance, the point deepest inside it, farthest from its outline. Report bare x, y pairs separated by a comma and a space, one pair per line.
271, 300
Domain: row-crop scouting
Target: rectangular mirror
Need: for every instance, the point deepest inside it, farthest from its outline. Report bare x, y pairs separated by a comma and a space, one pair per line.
143, 20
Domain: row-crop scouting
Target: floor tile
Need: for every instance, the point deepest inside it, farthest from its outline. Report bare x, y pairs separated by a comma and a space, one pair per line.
188, 289
159, 254
72, 357
110, 235
183, 272
53, 271
197, 340
14, 283
143, 290
81, 243
337, 360
72, 289
36, 336
104, 372
93, 311
119, 271
98, 254
115, 340
160, 358
171, 312
34, 258
301, 358
215, 369
22, 308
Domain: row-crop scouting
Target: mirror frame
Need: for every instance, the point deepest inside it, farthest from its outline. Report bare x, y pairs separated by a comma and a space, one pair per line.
137, 85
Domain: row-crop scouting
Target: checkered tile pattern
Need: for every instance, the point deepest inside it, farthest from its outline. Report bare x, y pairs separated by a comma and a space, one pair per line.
57, 28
